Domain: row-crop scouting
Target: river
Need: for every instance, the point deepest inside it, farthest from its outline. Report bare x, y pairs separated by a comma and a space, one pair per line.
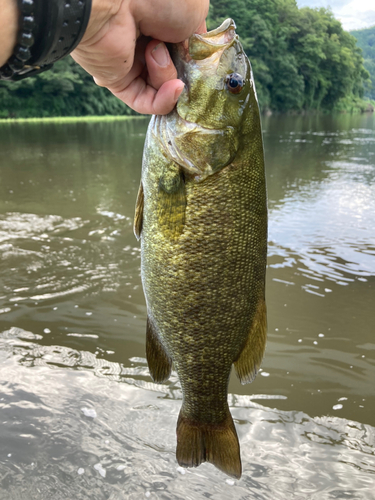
80, 416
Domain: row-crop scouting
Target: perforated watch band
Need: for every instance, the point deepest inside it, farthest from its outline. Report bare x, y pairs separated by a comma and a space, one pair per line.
48, 31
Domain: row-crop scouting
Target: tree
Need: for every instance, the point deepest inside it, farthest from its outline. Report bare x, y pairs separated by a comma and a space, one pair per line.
366, 41
65, 90
302, 59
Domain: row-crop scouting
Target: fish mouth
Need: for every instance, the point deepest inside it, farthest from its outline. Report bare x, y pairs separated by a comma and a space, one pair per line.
204, 45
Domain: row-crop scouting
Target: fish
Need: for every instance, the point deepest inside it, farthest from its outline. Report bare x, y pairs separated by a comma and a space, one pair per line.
201, 217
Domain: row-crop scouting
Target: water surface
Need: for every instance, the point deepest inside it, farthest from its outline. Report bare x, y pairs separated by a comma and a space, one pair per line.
80, 417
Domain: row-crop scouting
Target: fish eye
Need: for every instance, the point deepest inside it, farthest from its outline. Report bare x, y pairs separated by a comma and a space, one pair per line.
235, 83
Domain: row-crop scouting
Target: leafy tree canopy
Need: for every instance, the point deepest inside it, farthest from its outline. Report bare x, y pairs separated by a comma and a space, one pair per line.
366, 41
64, 90
302, 59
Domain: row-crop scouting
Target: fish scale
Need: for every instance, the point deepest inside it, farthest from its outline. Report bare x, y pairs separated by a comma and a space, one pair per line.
202, 219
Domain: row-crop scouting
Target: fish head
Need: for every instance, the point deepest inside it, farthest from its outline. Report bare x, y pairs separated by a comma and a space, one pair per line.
217, 77
203, 133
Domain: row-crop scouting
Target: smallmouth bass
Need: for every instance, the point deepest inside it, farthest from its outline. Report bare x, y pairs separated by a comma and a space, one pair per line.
201, 215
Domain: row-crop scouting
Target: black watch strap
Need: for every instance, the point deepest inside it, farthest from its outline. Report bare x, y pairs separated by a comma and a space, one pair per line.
48, 31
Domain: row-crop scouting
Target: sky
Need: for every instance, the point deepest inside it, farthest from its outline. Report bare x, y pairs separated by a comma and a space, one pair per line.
353, 14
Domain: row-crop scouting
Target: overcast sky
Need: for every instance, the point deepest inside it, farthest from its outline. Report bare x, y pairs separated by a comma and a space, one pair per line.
354, 14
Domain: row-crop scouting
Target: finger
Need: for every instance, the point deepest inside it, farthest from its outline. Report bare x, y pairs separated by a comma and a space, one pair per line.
120, 80
159, 64
146, 100
202, 28
170, 20
158, 93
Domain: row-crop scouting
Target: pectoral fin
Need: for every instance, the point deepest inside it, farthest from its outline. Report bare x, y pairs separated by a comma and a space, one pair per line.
172, 201
248, 363
159, 363
138, 217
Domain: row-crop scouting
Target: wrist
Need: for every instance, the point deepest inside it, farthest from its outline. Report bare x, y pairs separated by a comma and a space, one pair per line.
9, 27
46, 32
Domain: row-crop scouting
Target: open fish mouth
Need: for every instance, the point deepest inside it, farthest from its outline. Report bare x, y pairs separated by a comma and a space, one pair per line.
204, 45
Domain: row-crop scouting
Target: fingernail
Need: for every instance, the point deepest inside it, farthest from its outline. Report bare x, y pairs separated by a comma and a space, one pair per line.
161, 55
178, 91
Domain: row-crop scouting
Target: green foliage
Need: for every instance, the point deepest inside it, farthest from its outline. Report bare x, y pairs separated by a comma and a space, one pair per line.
366, 41
302, 58
351, 104
65, 90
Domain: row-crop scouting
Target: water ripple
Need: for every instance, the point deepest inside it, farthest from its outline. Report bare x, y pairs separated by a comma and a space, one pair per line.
91, 437
68, 251
325, 227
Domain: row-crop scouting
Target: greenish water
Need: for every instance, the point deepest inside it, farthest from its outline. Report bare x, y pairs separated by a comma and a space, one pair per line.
80, 417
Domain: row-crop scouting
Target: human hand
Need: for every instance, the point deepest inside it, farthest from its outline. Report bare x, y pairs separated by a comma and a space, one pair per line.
116, 48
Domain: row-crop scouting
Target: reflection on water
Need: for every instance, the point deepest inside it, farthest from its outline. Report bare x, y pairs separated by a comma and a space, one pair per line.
84, 434
324, 223
80, 416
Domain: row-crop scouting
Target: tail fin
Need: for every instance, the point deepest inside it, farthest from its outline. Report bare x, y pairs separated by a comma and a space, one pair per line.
215, 443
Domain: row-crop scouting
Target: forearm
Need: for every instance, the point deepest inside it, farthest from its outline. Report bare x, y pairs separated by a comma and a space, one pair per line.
8, 28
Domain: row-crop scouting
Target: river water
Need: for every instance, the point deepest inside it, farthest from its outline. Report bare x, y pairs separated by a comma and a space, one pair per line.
79, 415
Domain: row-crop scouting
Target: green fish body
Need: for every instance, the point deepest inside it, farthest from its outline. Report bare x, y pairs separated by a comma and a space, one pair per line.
201, 216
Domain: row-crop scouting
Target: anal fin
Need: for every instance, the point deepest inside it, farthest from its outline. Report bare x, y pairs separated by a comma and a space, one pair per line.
159, 363
248, 362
